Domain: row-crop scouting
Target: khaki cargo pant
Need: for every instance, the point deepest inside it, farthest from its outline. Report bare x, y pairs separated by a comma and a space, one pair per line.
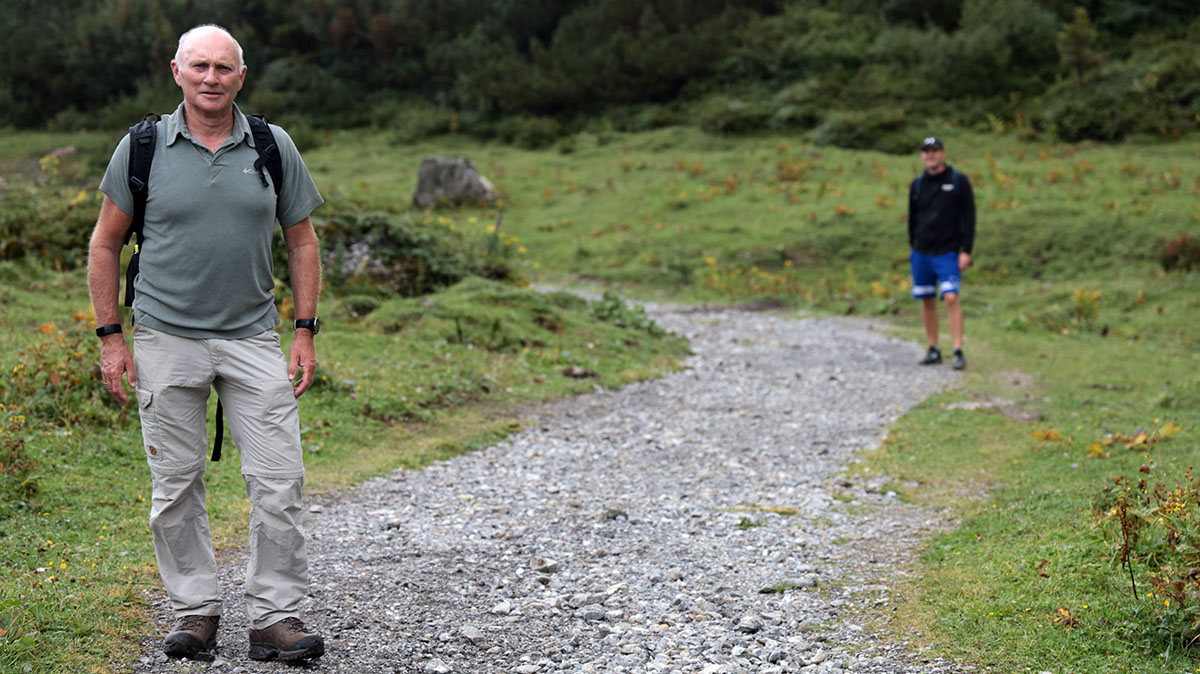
250, 375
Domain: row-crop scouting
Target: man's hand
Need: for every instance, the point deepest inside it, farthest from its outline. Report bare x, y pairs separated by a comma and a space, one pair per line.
964, 261
116, 361
303, 355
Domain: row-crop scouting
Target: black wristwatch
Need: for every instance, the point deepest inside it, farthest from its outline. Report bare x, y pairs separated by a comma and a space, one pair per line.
313, 324
109, 329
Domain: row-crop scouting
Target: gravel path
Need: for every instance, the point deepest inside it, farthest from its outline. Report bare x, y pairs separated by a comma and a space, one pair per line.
692, 524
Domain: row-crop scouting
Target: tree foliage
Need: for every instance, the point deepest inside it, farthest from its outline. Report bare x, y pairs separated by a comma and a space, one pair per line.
532, 68
1075, 43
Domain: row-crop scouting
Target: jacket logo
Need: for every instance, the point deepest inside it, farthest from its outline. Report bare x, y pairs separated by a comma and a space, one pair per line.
948, 187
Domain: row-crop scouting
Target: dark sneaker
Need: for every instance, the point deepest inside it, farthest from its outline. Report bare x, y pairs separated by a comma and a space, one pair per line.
960, 361
287, 640
193, 635
932, 357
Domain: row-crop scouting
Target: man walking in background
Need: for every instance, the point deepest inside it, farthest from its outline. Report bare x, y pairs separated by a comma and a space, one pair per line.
941, 233
204, 315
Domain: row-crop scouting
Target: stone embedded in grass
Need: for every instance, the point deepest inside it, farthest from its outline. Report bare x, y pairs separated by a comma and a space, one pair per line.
451, 180
576, 372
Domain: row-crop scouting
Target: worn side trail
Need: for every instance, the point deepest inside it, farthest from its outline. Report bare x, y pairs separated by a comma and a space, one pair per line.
691, 524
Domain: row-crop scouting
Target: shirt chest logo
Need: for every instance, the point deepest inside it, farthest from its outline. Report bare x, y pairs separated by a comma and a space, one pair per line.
249, 171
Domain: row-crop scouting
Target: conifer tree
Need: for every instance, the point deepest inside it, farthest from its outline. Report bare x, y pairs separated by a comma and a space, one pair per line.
1075, 44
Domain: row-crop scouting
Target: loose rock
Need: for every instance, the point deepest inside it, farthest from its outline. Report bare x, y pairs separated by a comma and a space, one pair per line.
662, 508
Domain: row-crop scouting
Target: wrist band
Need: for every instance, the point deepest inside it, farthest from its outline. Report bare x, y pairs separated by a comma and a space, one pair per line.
108, 329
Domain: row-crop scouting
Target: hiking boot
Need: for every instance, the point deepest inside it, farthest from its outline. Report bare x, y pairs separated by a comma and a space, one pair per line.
193, 635
287, 640
932, 357
960, 361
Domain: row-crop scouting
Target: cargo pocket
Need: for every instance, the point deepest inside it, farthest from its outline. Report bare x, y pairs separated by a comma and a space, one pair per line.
150, 434
172, 429
278, 434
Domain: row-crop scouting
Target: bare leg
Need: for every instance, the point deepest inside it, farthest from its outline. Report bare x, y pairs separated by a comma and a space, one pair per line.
930, 318
954, 316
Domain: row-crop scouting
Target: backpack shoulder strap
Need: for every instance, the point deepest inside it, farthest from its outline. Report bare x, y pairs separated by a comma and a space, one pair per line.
918, 183
143, 139
268, 150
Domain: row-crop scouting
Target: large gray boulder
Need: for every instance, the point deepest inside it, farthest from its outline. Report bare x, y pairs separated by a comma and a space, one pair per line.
451, 180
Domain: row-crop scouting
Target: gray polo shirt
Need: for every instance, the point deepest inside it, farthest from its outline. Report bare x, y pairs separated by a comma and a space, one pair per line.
205, 267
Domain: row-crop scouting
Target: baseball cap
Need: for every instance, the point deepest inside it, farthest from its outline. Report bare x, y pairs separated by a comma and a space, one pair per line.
932, 143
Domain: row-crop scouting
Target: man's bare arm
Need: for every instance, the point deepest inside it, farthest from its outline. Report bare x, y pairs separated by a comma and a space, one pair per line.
304, 264
104, 273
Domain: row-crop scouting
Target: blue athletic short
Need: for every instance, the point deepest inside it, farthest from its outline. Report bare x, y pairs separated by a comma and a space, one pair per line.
934, 275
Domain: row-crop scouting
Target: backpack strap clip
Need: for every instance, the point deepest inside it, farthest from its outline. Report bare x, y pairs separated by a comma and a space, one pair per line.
268, 151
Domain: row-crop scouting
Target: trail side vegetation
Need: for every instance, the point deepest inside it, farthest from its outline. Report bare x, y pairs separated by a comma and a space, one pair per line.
757, 165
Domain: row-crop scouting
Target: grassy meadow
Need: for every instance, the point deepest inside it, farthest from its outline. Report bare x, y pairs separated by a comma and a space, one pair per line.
1060, 451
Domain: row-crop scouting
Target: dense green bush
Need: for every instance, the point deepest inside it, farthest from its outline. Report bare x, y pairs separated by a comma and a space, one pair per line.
529, 132
379, 253
412, 119
1101, 109
874, 130
733, 115
50, 225
424, 69
644, 117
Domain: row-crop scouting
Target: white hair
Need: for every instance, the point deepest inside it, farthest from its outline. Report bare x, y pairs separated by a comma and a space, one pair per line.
209, 26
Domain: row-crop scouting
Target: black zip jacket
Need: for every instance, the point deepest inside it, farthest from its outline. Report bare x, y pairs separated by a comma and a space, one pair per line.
941, 213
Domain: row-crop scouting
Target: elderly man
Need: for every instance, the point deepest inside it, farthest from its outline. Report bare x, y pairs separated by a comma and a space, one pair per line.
941, 234
204, 316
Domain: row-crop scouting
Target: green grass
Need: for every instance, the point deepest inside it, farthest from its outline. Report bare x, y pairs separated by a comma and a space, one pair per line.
678, 214
1030, 544
647, 210
456, 375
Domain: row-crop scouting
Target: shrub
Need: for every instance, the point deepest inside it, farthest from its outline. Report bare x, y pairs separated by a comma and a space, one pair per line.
801, 106
374, 253
56, 381
1181, 252
1103, 109
1149, 521
531, 133
882, 130
732, 115
413, 119
644, 118
46, 224
18, 479
612, 309
296, 85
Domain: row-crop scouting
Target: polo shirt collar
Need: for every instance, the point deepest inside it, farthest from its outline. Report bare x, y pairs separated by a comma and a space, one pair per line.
175, 126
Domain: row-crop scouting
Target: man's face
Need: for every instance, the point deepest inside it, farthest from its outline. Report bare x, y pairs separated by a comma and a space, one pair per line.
934, 159
208, 72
